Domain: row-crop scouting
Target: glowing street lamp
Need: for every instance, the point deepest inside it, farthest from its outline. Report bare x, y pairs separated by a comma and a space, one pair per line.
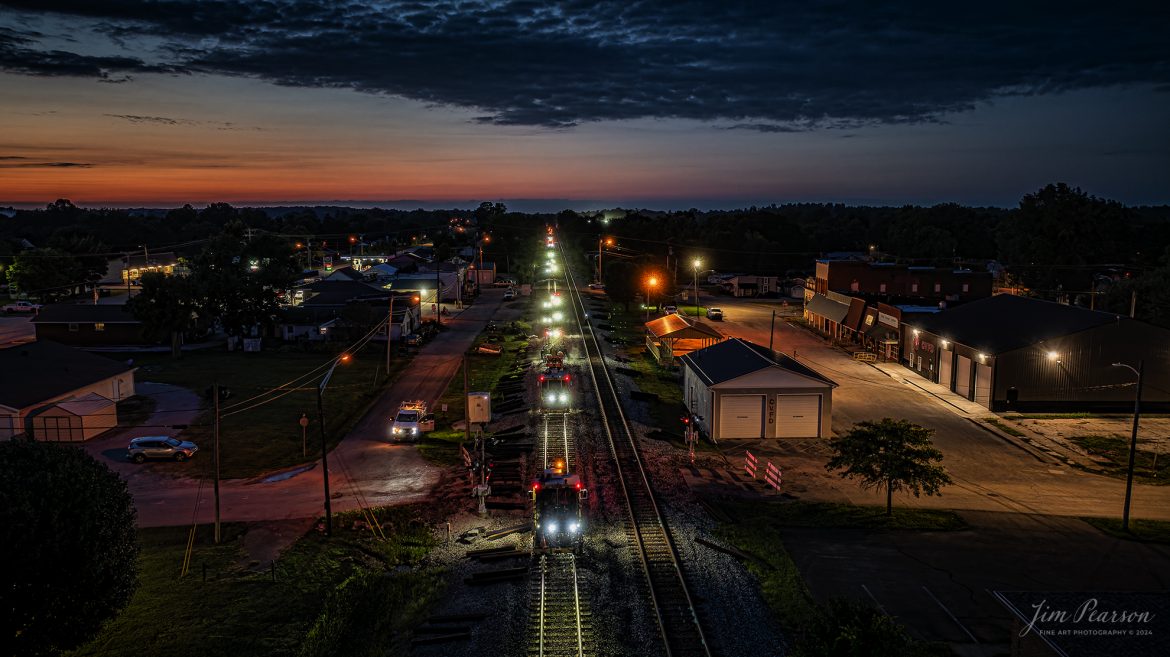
698, 263
650, 282
608, 241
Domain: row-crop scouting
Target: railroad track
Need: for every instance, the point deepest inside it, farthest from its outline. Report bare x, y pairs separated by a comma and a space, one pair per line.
561, 625
557, 440
674, 610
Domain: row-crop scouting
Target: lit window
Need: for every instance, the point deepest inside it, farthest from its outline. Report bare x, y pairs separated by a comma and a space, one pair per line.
966, 287
99, 326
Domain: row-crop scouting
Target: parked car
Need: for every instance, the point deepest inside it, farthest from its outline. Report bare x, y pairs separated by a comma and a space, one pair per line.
22, 307
413, 340
160, 447
509, 294
670, 310
715, 313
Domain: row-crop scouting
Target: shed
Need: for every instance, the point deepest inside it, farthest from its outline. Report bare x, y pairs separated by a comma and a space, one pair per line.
739, 389
672, 336
75, 420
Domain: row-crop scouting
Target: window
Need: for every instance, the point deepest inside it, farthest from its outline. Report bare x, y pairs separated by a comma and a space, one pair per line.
966, 287
73, 327
882, 287
938, 287
99, 326
914, 287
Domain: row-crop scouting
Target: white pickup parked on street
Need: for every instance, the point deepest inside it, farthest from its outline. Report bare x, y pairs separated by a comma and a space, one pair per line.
22, 307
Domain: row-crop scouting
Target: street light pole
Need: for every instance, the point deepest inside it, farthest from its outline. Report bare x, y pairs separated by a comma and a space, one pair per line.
324, 452
1137, 411
389, 332
697, 264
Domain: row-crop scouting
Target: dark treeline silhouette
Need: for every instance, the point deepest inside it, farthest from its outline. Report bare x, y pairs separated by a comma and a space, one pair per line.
1059, 242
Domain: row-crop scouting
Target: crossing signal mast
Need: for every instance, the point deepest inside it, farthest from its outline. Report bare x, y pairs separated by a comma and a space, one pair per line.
691, 433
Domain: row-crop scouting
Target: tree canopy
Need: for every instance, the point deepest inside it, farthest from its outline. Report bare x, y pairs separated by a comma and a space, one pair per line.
892, 454
68, 547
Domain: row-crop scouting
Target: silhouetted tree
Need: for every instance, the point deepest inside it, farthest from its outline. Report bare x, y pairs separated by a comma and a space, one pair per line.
621, 283
167, 307
69, 547
45, 272
892, 454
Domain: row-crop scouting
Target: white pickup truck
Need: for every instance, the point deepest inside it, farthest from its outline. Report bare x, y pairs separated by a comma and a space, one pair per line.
21, 307
411, 421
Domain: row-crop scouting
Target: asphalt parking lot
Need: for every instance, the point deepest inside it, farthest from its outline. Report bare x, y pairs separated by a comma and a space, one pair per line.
16, 329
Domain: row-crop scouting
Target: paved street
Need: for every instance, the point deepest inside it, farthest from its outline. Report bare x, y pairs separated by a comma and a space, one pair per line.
364, 464
16, 329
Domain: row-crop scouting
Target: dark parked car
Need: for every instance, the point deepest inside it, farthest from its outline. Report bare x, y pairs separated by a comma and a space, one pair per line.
160, 447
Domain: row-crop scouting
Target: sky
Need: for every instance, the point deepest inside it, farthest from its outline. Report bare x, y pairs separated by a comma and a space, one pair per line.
665, 104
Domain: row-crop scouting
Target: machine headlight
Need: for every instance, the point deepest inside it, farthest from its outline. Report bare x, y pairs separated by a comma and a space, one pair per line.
414, 429
552, 527
563, 398
573, 528
558, 317
551, 398
396, 430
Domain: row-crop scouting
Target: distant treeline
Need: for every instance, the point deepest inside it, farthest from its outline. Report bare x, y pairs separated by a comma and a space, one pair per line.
1058, 242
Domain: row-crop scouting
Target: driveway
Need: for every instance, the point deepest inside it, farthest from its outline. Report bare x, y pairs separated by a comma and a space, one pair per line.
363, 468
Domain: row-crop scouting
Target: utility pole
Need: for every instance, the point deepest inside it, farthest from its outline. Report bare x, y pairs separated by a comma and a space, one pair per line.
1132, 303
772, 332
215, 455
389, 333
1137, 412
324, 451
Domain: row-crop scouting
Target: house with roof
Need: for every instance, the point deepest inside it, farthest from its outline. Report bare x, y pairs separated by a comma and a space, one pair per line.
672, 335
89, 325
73, 390
739, 389
1009, 352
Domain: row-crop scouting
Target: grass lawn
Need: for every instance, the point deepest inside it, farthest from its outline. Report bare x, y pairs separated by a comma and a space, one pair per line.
441, 446
240, 610
1153, 531
1149, 467
1004, 427
758, 531
810, 514
268, 437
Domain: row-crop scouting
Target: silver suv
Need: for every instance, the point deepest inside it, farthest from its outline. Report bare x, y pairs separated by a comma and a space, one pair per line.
160, 447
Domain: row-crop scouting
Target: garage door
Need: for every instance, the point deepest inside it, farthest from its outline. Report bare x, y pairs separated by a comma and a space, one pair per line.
741, 416
798, 416
963, 377
944, 367
983, 384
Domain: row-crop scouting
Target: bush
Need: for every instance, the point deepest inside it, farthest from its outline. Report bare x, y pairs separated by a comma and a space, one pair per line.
68, 547
851, 628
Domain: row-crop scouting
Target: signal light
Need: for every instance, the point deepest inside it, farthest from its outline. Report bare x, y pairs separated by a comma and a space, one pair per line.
685, 419
535, 486
566, 377
578, 486
542, 378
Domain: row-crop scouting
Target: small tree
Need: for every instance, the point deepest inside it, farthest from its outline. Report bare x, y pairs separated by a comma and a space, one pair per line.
68, 547
894, 454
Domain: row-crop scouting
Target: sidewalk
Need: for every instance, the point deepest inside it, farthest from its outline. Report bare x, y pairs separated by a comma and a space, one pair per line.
940, 393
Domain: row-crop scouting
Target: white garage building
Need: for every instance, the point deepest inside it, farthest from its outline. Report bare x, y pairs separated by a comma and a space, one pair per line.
742, 390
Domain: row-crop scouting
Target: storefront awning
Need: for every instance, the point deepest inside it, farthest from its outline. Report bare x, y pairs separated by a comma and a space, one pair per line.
825, 307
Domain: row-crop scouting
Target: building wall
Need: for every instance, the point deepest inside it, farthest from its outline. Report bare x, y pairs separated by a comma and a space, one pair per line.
900, 280
87, 335
1083, 377
59, 425
1080, 378
698, 399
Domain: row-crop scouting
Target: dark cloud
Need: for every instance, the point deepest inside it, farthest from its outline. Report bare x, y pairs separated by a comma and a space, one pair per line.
166, 120
20, 163
772, 67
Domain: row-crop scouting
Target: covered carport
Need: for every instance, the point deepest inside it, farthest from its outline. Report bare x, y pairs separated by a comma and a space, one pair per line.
673, 336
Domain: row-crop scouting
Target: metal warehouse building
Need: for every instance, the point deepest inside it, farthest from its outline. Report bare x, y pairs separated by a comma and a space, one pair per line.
1014, 353
742, 390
